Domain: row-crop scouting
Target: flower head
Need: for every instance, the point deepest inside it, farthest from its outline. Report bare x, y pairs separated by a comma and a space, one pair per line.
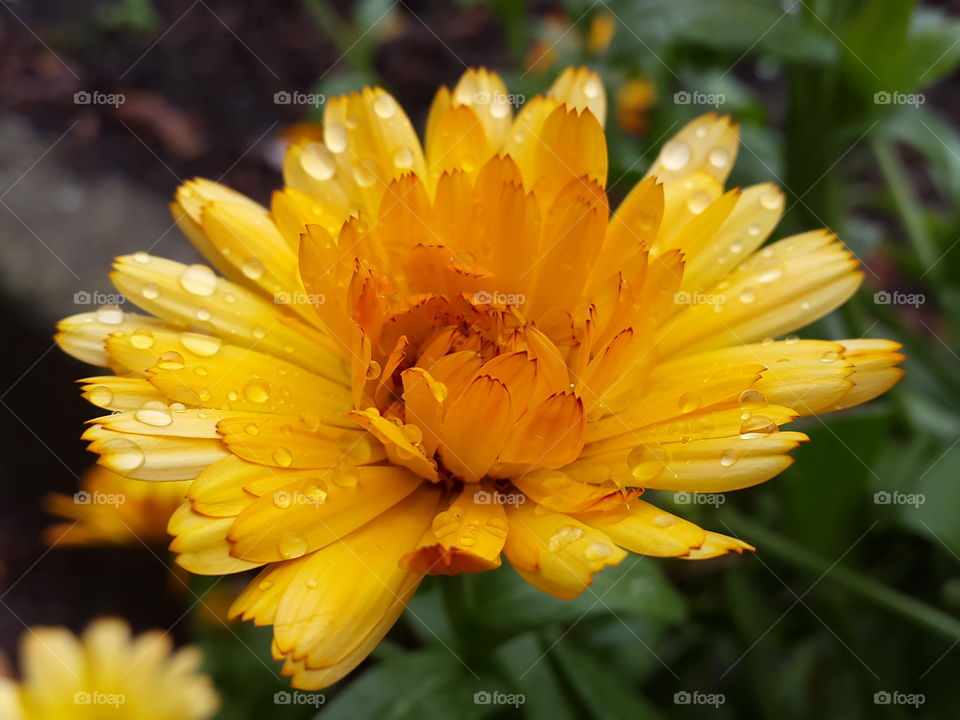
109, 509
106, 673
420, 359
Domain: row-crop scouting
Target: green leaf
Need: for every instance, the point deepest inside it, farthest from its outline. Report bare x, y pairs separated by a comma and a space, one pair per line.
525, 660
939, 485
599, 687
428, 685
507, 604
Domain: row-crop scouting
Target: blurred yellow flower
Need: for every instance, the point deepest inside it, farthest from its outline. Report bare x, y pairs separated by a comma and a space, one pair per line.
603, 26
106, 674
423, 357
634, 98
110, 509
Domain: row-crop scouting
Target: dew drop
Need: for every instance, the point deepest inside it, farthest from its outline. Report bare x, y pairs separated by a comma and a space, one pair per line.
365, 173
403, 158
312, 584
155, 413
318, 161
253, 268
598, 551
558, 481
719, 157
647, 461
754, 229
282, 457
446, 523
757, 426
150, 291
772, 200
664, 521
373, 370
292, 545
497, 527
110, 315
384, 106
345, 478
675, 155
170, 360
316, 491
100, 395
748, 295
264, 585
141, 257
282, 499
142, 339
251, 429
830, 356
728, 458
257, 390
335, 136
121, 455
564, 536
791, 340
204, 314
751, 397
689, 402
199, 280
698, 202
202, 345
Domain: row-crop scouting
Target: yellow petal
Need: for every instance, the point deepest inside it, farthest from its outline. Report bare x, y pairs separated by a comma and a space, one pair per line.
555, 552
708, 143
581, 88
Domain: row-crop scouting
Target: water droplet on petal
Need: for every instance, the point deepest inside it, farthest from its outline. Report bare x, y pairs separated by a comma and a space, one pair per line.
257, 390
199, 280
647, 461
698, 202
202, 345
142, 339
689, 402
446, 523
598, 551
110, 315
345, 478
664, 521
751, 397
318, 161
771, 200
292, 545
403, 158
264, 585
373, 370
728, 458
150, 291
154, 412
170, 360
121, 455
719, 157
830, 356
251, 429
253, 268
675, 155
384, 106
564, 536
100, 395
757, 426
282, 457
748, 295
141, 257
335, 136
365, 173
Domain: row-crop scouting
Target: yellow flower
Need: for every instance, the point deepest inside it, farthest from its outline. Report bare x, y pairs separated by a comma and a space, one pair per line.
106, 674
419, 359
109, 509
634, 98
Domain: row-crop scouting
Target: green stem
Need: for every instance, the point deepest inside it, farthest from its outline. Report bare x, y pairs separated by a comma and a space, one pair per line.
910, 212
881, 595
